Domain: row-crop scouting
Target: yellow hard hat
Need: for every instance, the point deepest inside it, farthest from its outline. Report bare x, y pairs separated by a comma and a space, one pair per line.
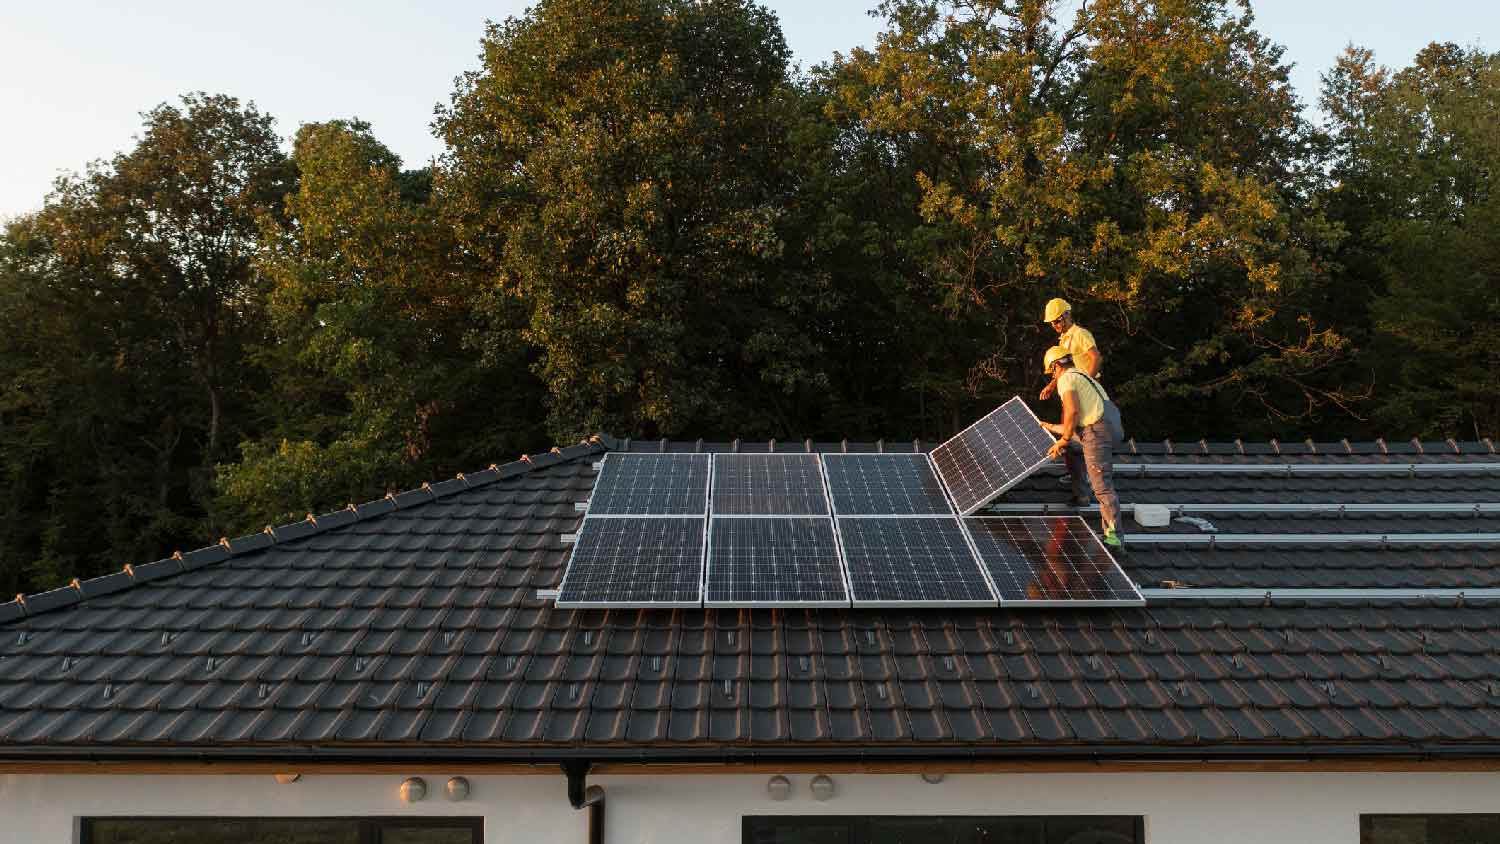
1055, 309
1052, 356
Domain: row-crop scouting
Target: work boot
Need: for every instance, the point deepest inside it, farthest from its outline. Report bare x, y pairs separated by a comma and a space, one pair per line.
1112, 539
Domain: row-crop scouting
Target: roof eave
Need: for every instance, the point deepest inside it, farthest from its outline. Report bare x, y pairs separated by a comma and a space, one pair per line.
722, 754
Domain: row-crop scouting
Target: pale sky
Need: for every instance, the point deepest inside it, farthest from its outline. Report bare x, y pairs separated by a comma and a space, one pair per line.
75, 74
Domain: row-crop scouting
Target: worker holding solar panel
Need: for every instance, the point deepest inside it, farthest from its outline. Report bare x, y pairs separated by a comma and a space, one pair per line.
1086, 436
1073, 338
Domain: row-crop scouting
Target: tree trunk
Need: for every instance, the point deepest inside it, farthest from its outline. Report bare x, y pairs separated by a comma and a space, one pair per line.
214, 410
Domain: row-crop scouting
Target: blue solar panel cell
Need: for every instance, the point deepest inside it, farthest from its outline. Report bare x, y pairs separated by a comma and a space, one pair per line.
768, 485
884, 484
635, 562
1049, 561
774, 562
651, 485
992, 455
921, 561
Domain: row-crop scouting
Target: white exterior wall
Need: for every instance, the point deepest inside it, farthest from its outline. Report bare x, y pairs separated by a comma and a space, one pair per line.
1180, 808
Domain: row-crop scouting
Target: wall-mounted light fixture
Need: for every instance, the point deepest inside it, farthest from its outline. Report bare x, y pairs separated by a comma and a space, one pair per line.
779, 787
456, 789
413, 789
285, 779
822, 787
933, 777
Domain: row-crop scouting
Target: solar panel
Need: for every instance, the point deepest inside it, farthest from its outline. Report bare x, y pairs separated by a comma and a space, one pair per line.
992, 455
635, 562
768, 484
1050, 561
778, 562
908, 562
884, 484
651, 484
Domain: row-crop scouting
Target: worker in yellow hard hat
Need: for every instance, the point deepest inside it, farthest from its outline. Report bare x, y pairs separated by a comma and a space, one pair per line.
1073, 338
1085, 437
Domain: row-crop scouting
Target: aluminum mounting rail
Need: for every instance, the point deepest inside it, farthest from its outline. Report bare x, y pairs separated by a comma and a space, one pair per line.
1187, 593
1333, 508
1143, 469
1214, 540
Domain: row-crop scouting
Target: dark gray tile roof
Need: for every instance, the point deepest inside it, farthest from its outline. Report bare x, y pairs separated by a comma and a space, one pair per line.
413, 623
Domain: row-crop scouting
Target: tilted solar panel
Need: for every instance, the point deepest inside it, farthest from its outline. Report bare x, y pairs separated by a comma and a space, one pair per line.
779, 562
911, 562
992, 455
651, 484
768, 485
633, 561
1049, 561
884, 484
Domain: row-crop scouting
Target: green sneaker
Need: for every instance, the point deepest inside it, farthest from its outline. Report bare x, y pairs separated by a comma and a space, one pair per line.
1112, 539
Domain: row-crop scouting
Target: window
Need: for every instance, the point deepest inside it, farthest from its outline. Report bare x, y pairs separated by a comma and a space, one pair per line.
282, 830
1429, 829
878, 829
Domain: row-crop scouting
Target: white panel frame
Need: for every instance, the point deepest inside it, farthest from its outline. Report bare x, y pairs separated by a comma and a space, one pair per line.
1002, 490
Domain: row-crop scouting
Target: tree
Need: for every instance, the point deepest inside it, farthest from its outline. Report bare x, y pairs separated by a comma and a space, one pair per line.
126, 304
378, 380
624, 170
1416, 153
1145, 160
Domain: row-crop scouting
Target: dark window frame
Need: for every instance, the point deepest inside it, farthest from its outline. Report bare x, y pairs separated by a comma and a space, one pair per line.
1368, 820
370, 826
857, 826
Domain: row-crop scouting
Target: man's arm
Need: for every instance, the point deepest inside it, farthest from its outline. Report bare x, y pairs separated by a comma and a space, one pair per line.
1065, 430
1048, 390
1089, 361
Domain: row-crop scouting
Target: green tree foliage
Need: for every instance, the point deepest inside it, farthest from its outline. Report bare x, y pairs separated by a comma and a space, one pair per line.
377, 383
126, 305
1417, 153
625, 168
1142, 159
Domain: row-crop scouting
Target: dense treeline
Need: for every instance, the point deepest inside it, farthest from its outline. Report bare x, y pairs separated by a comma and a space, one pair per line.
648, 222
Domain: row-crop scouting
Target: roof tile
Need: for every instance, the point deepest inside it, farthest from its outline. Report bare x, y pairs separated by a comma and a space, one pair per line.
414, 619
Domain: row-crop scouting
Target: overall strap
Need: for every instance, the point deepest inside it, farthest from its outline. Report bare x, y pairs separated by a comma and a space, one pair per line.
1092, 383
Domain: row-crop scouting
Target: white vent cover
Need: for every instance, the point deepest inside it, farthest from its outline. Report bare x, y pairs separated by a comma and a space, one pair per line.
1152, 515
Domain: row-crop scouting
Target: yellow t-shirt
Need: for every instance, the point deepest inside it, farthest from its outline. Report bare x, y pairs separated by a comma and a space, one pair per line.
1090, 401
1076, 341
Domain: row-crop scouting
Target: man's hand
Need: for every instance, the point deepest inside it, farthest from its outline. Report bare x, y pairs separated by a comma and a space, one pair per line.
1048, 390
1057, 449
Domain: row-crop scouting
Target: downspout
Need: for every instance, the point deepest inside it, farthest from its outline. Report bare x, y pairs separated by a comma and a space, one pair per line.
584, 796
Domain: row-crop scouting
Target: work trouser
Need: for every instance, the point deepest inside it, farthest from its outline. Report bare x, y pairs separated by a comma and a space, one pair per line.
1092, 452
